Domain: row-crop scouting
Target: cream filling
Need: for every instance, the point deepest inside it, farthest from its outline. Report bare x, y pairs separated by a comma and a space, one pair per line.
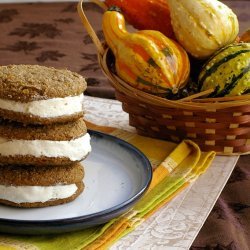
54, 107
75, 149
31, 194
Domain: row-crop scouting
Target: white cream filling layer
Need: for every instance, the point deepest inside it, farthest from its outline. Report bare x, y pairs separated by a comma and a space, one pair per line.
75, 150
54, 107
31, 194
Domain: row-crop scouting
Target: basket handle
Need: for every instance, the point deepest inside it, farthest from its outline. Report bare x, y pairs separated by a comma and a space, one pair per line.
197, 95
88, 26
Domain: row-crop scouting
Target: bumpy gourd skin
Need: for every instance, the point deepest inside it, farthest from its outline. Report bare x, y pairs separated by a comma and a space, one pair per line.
146, 59
203, 26
228, 71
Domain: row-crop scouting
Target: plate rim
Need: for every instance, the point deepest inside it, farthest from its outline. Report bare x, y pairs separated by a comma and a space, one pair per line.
104, 213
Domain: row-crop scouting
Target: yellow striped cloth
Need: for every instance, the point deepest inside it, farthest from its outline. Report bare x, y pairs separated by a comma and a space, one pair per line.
175, 167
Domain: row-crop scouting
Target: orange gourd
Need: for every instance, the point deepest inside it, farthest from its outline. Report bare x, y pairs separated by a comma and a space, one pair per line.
146, 14
245, 37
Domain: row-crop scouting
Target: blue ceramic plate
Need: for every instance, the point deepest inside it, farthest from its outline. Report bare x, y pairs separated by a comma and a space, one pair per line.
116, 176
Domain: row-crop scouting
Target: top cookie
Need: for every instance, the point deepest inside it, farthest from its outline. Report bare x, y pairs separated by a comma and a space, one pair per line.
40, 95
26, 83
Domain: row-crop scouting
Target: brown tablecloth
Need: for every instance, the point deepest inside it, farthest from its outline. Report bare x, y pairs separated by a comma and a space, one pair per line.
51, 34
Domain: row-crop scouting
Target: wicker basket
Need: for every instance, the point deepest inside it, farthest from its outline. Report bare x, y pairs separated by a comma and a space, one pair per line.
219, 124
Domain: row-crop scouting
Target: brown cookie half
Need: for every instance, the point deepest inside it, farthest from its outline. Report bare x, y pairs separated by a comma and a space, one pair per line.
57, 144
33, 119
13, 175
28, 186
35, 94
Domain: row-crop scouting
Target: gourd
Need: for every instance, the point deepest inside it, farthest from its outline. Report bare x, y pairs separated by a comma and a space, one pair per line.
146, 14
245, 37
228, 71
146, 59
203, 26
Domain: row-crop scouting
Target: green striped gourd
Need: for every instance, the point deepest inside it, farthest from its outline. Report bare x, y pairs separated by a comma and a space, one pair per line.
228, 71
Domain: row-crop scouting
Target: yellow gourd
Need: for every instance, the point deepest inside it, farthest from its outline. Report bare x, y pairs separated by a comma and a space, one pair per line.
146, 59
203, 26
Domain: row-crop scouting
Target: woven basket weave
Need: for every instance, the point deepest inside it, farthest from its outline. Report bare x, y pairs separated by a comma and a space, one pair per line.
219, 124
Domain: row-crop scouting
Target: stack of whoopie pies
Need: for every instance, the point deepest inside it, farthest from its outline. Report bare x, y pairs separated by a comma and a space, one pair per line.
42, 135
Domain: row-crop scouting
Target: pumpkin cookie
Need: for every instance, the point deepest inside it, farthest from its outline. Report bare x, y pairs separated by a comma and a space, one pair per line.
28, 186
34, 94
56, 144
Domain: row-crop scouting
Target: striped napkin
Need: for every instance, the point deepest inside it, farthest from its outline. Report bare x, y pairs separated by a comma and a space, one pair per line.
175, 167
